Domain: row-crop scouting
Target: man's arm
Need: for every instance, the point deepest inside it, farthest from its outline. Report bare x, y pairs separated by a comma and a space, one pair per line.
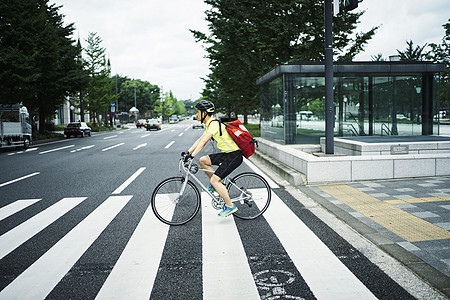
199, 144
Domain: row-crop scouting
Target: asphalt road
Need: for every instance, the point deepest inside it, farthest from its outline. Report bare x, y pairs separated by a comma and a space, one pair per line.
75, 223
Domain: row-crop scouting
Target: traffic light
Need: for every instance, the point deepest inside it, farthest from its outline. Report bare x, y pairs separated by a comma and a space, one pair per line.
347, 5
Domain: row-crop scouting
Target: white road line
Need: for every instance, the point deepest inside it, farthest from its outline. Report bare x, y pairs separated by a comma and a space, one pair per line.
325, 274
218, 272
170, 144
16, 206
140, 146
44, 274
187, 128
110, 137
112, 147
31, 149
20, 234
146, 135
255, 169
57, 149
181, 134
82, 148
20, 178
128, 181
134, 273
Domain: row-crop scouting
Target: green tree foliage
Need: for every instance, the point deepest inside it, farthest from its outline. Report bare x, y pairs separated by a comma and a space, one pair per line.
99, 93
377, 57
249, 37
171, 105
146, 96
412, 53
38, 64
441, 53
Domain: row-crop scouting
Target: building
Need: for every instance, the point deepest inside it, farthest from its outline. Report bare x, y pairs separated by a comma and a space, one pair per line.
385, 98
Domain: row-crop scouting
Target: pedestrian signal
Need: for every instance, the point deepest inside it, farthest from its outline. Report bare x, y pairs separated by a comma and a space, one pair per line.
347, 5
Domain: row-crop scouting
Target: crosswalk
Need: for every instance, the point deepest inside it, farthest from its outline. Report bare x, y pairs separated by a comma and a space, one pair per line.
273, 257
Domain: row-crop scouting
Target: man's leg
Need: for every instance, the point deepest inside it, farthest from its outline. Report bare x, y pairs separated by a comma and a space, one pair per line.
205, 163
220, 189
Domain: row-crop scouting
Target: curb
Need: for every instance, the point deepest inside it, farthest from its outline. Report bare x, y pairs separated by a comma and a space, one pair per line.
287, 173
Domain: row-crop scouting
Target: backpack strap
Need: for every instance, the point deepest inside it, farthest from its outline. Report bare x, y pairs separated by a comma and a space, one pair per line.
220, 126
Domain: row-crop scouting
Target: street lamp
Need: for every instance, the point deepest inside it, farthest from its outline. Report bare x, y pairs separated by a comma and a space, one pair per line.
162, 100
135, 101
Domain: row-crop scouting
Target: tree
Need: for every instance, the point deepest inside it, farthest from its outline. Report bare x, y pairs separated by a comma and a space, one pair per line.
412, 53
146, 96
378, 57
99, 93
38, 64
249, 37
441, 53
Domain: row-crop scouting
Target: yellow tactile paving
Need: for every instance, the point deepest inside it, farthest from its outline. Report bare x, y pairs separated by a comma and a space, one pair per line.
418, 200
403, 224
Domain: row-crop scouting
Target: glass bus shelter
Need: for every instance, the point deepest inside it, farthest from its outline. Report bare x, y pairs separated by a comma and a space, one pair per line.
370, 99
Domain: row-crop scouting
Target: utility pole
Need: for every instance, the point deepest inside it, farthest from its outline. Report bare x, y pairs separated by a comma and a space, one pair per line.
329, 103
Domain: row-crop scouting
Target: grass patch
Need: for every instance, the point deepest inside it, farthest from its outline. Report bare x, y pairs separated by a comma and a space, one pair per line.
254, 129
96, 128
46, 135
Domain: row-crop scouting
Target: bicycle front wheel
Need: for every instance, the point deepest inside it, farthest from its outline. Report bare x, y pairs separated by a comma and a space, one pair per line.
172, 207
251, 194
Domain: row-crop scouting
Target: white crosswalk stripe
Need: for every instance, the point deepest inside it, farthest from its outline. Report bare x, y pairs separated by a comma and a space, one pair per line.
329, 279
217, 255
17, 236
15, 207
135, 272
42, 276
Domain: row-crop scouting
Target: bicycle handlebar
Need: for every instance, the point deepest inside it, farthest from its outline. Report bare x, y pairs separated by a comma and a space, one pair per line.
188, 166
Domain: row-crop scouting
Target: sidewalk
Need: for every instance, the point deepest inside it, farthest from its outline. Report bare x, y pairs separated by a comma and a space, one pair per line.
407, 218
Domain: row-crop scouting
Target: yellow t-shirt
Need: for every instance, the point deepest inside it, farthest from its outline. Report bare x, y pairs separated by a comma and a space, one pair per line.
224, 142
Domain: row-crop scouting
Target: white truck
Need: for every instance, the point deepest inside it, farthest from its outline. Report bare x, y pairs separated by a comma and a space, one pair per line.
15, 129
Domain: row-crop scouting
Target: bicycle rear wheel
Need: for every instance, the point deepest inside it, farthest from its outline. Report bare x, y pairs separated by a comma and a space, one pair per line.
171, 208
251, 194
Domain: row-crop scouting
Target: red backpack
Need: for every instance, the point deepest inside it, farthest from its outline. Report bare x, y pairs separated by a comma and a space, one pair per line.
240, 136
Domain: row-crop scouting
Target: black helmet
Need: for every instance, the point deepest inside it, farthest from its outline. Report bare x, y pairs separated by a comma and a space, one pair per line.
205, 106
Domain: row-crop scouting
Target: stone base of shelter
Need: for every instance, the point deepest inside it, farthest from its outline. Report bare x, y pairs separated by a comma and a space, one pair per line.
317, 167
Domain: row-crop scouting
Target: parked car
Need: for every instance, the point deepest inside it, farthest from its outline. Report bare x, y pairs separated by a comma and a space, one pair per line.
401, 117
153, 124
141, 123
77, 129
198, 125
173, 120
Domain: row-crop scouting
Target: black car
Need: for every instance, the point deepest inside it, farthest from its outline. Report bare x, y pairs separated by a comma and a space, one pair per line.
77, 129
153, 124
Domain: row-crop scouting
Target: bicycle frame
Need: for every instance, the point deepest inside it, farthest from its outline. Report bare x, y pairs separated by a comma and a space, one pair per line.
186, 168
251, 193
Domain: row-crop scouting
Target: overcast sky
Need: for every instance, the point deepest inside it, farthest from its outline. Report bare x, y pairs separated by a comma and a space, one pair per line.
150, 39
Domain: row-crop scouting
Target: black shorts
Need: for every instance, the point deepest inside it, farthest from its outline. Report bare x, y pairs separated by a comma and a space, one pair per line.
227, 162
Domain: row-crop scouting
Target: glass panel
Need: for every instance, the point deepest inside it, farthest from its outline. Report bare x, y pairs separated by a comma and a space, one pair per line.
272, 110
307, 110
377, 105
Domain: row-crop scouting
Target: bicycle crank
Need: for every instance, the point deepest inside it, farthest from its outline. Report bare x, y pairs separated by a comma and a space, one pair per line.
217, 203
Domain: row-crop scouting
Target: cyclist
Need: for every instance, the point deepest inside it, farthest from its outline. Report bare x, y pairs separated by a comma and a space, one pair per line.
229, 159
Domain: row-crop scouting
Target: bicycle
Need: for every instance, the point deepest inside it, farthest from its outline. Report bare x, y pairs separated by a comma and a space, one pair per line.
176, 200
